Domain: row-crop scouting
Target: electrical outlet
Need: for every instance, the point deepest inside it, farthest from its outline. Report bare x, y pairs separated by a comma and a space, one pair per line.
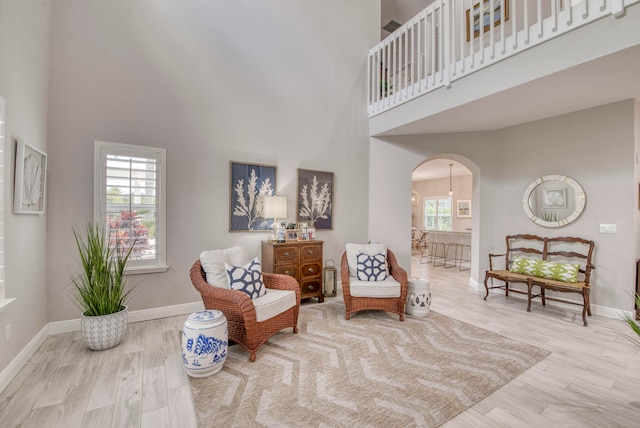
7, 333
607, 228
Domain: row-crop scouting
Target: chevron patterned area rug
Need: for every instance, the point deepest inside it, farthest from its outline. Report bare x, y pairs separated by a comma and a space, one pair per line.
372, 370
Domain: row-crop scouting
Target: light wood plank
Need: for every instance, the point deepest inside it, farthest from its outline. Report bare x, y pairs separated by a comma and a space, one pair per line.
591, 377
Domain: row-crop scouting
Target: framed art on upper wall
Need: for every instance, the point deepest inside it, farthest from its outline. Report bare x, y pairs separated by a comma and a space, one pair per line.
249, 184
315, 198
486, 17
30, 180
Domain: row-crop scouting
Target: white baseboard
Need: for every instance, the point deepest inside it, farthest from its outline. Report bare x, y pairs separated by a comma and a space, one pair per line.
7, 375
69, 326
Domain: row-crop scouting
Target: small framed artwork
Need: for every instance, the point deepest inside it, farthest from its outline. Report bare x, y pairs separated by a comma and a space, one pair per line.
303, 236
464, 208
292, 235
486, 17
315, 198
30, 180
554, 198
249, 184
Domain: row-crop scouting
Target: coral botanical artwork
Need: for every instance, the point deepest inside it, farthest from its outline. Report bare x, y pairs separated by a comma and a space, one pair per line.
315, 198
31, 166
250, 183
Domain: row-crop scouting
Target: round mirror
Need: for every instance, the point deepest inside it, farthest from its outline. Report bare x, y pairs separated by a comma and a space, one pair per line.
554, 200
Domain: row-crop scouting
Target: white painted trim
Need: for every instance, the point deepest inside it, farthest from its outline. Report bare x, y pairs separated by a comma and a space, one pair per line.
7, 375
69, 326
474, 284
166, 311
5, 302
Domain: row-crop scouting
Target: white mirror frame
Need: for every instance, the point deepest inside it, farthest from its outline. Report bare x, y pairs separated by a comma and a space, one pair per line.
581, 201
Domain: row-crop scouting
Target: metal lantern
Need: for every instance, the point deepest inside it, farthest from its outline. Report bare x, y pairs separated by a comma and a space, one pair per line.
329, 278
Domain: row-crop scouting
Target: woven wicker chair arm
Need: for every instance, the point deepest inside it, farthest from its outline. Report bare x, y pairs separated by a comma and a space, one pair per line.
398, 273
235, 304
344, 275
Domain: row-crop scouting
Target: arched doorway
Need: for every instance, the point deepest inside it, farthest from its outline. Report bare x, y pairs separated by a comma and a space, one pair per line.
443, 217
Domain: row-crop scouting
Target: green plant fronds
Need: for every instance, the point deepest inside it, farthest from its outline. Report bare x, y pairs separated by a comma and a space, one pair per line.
100, 287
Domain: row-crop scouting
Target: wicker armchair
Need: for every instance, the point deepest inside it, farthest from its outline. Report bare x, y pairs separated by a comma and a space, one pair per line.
390, 304
240, 312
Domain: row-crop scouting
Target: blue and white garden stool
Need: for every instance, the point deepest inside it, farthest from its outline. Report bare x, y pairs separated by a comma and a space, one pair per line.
418, 301
205, 342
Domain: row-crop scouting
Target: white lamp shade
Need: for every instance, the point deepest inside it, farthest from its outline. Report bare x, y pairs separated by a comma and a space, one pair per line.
275, 207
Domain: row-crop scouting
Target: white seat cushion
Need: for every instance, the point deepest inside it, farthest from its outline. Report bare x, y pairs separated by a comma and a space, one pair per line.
213, 264
387, 288
273, 302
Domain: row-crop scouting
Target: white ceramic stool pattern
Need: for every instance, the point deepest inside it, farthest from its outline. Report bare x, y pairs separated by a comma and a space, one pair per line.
205, 342
418, 298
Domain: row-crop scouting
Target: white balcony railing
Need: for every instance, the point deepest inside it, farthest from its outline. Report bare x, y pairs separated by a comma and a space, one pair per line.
446, 42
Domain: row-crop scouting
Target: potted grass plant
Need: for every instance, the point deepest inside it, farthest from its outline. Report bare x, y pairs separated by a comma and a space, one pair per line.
100, 289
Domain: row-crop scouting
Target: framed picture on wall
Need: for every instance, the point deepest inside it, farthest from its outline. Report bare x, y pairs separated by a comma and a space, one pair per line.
498, 14
30, 180
464, 208
315, 198
554, 198
249, 184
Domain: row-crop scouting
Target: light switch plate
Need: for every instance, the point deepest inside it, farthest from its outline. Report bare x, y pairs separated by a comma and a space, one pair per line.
607, 228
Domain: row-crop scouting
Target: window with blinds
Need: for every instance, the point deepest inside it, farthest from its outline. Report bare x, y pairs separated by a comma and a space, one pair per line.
129, 204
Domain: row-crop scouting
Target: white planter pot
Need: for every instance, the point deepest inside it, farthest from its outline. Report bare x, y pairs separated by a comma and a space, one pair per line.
105, 331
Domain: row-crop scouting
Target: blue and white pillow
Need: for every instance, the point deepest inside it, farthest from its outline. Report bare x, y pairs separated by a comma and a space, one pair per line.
371, 268
247, 278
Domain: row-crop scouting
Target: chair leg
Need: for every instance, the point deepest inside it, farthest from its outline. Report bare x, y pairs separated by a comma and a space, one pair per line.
252, 357
529, 287
486, 287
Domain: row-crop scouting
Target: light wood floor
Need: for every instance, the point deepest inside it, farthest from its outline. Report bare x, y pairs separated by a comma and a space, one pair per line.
591, 378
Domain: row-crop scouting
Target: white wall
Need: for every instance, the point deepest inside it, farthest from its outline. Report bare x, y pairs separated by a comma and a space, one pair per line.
596, 147
24, 70
272, 82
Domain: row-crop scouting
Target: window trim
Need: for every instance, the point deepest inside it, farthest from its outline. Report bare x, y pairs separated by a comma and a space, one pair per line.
437, 198
101, 150
4, 300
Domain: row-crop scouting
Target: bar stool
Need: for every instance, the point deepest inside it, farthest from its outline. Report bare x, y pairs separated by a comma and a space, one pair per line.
465, 245
456, 245
438, 241
423, 246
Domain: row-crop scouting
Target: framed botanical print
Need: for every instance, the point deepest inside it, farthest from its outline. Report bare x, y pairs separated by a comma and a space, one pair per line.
554, 198
30, 180
249, 184
315, 198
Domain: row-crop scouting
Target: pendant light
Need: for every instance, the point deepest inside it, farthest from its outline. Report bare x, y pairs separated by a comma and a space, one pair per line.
450, 188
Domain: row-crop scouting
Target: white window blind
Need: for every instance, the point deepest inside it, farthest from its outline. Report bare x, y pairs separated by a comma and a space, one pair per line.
130, 201
437, 213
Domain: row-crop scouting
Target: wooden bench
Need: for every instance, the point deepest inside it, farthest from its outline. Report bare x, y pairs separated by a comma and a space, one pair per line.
558, 250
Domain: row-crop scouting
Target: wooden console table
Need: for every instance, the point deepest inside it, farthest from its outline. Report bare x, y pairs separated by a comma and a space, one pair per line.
299, 259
